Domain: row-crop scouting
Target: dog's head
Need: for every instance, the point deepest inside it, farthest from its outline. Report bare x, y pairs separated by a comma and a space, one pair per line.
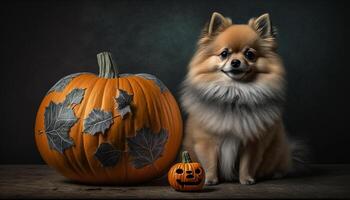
229, 53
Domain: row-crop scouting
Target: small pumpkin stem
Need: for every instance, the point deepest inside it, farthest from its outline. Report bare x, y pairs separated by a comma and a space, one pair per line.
108, 68
186, 157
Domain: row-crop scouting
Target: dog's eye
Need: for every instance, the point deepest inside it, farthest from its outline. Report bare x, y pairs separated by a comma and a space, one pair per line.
224, 54
250, 54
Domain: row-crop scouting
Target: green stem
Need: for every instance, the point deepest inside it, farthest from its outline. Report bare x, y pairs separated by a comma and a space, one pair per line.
186, 157
108, 69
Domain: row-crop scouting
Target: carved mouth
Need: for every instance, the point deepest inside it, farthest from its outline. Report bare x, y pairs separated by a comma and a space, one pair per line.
189, 183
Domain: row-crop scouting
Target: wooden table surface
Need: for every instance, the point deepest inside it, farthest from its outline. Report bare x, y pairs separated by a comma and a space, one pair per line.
39, 181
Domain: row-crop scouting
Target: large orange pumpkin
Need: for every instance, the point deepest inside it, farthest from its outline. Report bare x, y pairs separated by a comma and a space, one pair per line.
109, 129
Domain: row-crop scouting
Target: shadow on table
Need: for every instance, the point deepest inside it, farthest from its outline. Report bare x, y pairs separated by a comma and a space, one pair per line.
204, 190
152, 183
162, 181
308, 171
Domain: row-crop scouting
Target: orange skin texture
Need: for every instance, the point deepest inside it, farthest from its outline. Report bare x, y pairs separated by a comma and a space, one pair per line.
150, 108
173, 176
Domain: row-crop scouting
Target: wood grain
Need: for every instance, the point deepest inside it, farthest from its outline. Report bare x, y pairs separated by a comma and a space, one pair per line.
41, 182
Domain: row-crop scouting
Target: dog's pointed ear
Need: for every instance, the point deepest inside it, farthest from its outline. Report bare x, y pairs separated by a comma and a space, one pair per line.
263, 25
217, 23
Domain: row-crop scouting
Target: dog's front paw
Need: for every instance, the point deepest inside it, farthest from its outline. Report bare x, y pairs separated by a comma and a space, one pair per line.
247, 181
211, 181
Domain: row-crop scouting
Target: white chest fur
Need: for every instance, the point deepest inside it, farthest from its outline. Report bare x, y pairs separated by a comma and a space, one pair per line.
241, 111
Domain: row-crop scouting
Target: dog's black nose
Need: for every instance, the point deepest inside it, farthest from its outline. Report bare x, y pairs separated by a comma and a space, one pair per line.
235, 63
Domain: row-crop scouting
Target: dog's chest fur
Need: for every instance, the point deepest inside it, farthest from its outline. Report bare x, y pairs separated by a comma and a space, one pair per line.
242, 110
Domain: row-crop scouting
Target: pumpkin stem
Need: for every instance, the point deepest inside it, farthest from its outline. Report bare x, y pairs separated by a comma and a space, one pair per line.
186, 157
108, 69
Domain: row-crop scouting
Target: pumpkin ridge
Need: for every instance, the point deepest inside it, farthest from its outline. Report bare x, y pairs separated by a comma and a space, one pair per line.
82, 111
156, 107
59, 97
108, 97
166, 111
144, 95
150, 109
125, 83
158, 111
131, 118
99, 105
75, 83
171, 109
87, 140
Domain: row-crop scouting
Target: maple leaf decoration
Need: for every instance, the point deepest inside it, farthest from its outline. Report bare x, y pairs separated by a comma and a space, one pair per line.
58, 121
123, 100
107, 155
59, 118
98, 121
74, 97
146, 147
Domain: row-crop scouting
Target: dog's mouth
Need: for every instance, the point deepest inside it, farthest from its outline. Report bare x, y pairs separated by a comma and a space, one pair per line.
189, 183
238, 74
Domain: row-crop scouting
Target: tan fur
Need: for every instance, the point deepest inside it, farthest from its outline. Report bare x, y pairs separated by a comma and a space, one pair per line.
265, 153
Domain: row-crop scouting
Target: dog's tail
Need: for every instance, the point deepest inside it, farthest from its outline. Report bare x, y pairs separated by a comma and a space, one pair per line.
300, 157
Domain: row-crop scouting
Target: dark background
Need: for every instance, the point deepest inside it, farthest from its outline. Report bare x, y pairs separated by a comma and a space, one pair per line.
42, 41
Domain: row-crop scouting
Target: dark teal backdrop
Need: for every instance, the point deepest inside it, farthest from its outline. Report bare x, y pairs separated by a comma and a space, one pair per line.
42, 41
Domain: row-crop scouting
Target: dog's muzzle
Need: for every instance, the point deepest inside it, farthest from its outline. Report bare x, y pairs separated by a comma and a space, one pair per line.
236, 69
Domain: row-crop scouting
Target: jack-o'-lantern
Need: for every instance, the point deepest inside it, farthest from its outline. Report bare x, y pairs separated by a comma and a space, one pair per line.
187, 175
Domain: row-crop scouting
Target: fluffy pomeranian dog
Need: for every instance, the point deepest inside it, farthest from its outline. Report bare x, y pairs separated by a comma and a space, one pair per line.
234, 93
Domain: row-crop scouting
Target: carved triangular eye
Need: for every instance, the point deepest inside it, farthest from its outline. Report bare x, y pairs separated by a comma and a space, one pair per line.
198, 171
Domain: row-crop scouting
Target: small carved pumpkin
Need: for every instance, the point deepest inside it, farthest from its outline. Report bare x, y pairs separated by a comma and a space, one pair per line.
186, 176
109, 129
